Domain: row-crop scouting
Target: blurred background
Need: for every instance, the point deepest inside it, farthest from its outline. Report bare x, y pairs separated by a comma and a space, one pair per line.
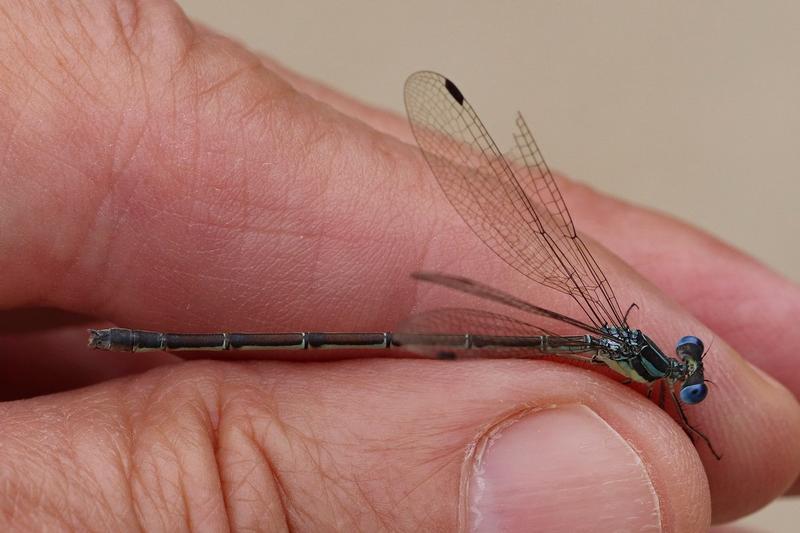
689, 108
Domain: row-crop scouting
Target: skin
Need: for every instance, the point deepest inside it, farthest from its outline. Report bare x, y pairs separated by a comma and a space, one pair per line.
157, 175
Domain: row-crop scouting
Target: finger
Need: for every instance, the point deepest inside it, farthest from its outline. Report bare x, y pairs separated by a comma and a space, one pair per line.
285, 216
353, 446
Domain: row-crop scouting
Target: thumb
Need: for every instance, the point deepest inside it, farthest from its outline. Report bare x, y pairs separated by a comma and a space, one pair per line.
352, 445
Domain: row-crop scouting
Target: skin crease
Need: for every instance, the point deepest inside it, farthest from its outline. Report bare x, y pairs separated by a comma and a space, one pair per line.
195, 188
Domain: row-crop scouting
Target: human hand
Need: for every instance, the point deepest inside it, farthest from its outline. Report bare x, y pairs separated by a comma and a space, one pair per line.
159, 176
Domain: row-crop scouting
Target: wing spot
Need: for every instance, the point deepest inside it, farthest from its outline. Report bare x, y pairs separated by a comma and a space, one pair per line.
454, 92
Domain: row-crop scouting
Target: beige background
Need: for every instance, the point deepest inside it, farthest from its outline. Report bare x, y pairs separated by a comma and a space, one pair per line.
691, 109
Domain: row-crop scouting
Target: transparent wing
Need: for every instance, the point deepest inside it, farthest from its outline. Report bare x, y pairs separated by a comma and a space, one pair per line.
527, 226
475, 288
536, 178
537, 182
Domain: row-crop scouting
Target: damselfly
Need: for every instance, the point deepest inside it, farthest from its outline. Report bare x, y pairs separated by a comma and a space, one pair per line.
512, 202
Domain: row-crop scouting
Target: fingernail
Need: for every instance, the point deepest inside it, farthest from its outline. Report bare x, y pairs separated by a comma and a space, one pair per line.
559, 469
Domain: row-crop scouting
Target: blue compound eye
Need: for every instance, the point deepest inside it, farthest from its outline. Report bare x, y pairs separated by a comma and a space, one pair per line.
690, 346
694, 393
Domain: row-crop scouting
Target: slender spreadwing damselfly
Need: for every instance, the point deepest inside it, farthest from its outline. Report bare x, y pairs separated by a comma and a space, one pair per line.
513, 204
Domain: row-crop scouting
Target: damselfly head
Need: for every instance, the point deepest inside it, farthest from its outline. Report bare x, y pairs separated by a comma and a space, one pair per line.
690, 350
